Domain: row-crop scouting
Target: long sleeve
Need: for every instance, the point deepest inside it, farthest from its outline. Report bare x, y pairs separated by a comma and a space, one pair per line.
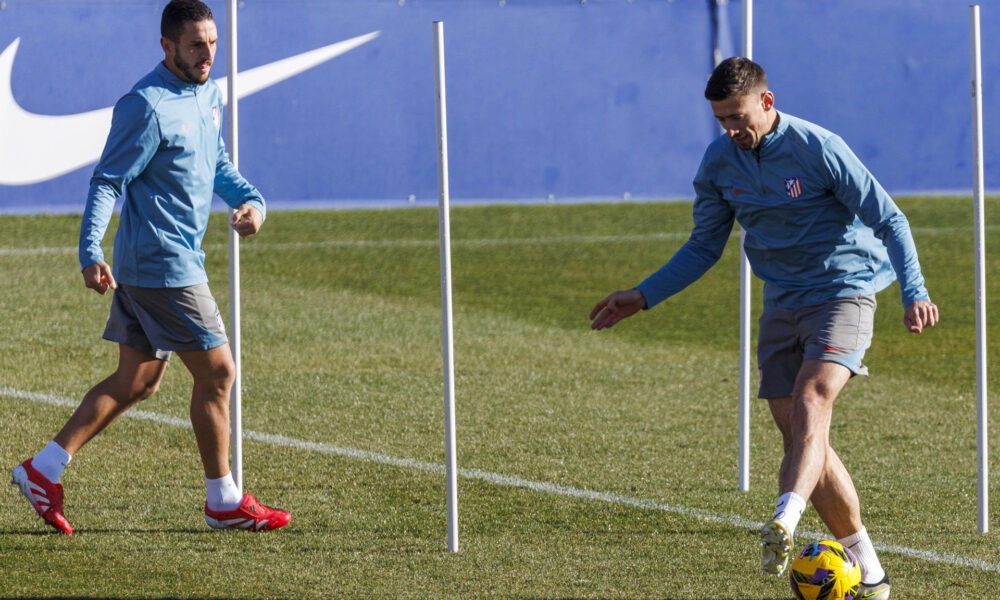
232, 187
131, 144
857, 189
713, 223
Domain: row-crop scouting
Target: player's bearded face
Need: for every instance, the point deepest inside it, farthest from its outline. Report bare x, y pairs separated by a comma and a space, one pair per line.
191, 56
193, 73
746, 119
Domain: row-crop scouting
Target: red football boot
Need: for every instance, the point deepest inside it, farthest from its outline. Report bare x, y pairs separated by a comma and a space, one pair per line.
45, 497
250, 515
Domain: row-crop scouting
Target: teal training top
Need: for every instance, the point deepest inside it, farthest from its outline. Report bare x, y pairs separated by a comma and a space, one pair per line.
818, 225
166, 153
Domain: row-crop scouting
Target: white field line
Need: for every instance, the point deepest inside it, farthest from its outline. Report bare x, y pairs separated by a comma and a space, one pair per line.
511, 481
36, 251
574, 239
570, 239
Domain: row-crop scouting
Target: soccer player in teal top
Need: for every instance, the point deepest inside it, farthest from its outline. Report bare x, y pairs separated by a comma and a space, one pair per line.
825, 238
165, 151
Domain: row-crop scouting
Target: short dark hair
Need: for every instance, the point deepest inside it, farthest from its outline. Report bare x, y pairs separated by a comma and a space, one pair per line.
736, 76
178, 12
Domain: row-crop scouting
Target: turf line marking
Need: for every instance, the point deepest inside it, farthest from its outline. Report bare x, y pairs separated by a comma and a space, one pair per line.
571, 239
574, 239
509, 481
36, 251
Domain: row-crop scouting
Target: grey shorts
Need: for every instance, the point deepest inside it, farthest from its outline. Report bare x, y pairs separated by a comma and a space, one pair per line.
159, 321
838, 330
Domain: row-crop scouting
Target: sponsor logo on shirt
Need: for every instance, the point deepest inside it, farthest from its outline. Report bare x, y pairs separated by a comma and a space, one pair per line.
215, 116
793, 187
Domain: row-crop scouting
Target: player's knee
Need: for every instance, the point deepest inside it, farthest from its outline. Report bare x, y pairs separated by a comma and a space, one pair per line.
145, 390
817, 391
128, 389
811, 402
810, 419
220, 375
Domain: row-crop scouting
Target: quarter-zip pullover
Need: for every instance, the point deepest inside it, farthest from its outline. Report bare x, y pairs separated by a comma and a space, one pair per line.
166, 154
818, 225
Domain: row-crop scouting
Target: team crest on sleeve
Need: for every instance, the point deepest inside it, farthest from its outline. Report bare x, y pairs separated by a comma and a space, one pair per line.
793, 187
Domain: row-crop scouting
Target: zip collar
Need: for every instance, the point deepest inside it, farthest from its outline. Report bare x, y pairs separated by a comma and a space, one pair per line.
168, 77
772, 138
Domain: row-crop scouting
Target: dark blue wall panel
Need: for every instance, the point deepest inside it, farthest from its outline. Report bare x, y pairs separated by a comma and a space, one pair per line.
547, 98
892, 78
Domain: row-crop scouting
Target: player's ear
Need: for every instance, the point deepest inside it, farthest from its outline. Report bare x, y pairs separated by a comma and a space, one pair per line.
767, 100
167, 46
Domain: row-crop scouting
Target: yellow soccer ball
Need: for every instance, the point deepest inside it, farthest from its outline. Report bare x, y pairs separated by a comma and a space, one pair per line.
825, 570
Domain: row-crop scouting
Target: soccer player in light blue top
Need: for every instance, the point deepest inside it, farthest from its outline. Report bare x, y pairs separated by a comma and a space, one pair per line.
825, 238
165, 153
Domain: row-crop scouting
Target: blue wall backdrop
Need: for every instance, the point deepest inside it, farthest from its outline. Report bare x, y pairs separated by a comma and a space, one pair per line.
549, 100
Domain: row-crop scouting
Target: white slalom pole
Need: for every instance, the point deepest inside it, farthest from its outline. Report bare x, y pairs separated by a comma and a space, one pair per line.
744, 462
447, 341
980, 244
236, 396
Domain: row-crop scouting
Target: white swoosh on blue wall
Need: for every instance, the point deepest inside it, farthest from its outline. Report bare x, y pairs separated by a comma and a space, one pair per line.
36, 148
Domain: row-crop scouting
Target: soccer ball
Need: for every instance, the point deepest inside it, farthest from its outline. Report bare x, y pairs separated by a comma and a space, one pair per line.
825, 570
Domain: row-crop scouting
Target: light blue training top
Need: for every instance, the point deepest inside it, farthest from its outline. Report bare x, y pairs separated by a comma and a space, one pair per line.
818, 225
166, 152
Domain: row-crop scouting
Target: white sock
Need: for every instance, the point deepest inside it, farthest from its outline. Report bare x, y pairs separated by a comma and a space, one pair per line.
789, 511
51, 461
222, 493
861, 546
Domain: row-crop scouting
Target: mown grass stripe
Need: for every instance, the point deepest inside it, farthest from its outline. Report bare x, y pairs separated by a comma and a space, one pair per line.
510, 481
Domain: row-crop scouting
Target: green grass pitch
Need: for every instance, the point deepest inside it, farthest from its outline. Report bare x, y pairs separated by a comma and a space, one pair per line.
596, 465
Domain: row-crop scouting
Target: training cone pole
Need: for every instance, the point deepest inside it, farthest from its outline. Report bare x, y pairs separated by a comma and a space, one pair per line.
745, 297
980, 247
236, 396
447, 341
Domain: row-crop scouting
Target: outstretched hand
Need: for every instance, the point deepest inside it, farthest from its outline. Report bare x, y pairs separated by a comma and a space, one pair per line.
617, 306
920, 314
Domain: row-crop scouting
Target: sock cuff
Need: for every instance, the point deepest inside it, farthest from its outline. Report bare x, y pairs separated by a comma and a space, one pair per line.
791, 503
792, 498
220, 480
861, 546
51, 461
789, 510
854, 538
222, 493
58, 451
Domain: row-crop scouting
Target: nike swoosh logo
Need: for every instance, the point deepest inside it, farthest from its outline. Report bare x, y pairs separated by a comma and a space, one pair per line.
36, 148
739, 191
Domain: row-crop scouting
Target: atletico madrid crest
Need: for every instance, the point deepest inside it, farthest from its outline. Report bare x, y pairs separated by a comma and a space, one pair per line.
793, 187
